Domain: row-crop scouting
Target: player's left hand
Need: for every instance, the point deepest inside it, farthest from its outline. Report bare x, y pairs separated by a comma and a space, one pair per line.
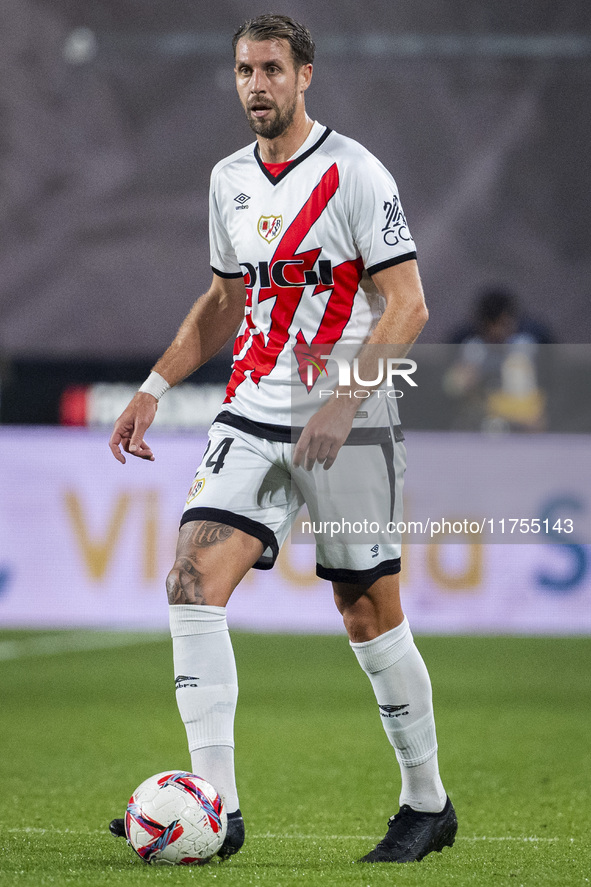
324, 435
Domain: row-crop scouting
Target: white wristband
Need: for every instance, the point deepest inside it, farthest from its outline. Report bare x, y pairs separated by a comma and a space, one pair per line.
155, 384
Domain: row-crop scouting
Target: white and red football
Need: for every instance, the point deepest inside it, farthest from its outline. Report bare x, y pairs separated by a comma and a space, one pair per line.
175, 818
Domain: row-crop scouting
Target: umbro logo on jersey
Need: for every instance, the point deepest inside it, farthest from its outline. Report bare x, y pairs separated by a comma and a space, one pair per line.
375, 550
241, 199
269, 227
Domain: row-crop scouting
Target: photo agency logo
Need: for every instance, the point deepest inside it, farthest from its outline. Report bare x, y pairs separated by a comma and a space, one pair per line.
349, 381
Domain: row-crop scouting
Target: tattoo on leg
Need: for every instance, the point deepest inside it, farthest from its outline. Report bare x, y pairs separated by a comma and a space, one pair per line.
208, 532
184, 583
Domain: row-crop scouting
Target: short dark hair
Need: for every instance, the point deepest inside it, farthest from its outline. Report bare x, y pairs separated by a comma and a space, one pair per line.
279, 27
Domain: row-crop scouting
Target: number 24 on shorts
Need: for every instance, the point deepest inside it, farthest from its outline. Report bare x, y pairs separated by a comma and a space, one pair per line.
217, 458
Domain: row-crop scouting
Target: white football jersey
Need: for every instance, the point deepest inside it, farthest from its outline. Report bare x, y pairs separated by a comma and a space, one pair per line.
301, 241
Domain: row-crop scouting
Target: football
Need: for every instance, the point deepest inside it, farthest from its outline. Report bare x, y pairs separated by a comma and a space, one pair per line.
175, 818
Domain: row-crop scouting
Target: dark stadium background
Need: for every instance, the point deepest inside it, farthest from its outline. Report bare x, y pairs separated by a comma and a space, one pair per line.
114, 111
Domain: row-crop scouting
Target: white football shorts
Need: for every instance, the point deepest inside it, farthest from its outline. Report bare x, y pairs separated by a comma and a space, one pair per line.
246, 480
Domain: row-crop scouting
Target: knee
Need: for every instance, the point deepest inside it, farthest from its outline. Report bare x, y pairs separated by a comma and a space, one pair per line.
360, 621
366, 614
369, 611
188, 584
184, 585
174, 587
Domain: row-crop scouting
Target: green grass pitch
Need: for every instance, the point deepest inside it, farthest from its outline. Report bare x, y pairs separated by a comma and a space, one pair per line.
85, 717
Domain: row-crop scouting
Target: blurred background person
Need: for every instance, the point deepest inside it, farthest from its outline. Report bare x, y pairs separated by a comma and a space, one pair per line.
494, 378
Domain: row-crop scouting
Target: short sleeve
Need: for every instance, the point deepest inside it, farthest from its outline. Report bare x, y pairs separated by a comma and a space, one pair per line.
222, 257
375, 214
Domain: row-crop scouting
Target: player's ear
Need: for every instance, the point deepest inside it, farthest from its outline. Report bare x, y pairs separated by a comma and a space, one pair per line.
305, 77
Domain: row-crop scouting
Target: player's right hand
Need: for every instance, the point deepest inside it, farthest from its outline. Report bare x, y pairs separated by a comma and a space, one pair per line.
130, 427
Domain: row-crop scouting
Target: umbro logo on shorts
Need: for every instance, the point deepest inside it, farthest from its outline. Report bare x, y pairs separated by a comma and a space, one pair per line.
375, 550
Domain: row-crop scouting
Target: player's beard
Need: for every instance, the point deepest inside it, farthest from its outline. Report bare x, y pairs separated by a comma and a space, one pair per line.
277, 125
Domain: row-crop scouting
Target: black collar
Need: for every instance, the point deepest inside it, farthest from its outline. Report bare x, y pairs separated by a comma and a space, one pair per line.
276, 179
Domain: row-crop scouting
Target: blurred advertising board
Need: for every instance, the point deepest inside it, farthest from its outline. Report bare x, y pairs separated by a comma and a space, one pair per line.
87, 542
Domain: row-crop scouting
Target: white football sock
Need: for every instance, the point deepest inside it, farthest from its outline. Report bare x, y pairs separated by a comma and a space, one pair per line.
402, 687
206, 692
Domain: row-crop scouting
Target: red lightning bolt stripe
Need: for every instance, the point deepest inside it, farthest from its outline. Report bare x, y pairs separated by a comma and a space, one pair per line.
261, 357
334, 320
